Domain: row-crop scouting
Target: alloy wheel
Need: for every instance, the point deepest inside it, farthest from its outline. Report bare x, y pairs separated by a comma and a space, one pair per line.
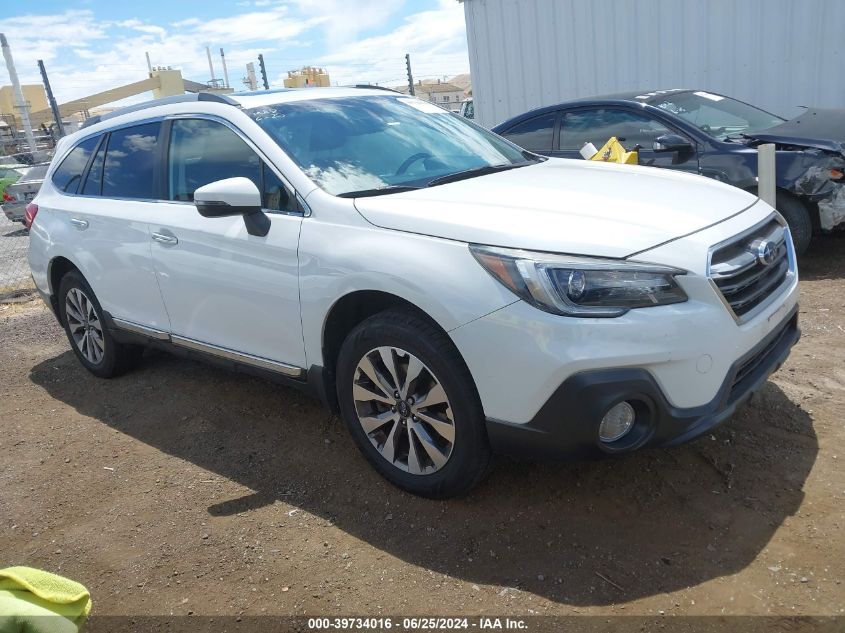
85, 326
404, 411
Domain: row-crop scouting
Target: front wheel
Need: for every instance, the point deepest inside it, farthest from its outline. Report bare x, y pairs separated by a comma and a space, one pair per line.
798, 218
411, 406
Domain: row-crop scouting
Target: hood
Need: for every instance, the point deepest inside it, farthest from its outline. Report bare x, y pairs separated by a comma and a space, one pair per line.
817, 127
576, 207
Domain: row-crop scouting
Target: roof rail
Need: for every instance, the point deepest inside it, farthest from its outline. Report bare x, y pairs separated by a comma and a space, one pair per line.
186, 98
374, 87
253, 93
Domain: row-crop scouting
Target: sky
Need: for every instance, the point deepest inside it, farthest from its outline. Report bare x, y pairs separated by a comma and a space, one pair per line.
93, 45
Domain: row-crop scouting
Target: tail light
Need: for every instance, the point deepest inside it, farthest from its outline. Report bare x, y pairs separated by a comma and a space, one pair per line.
7, 197
29, 214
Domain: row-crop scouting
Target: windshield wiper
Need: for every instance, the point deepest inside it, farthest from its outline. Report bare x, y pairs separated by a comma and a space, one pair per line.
380, 191
475, 171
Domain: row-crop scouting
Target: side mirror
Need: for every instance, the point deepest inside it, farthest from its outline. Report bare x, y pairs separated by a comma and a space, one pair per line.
233, 196
672, 143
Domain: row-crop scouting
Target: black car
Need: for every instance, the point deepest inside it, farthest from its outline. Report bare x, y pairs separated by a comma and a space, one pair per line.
709, 134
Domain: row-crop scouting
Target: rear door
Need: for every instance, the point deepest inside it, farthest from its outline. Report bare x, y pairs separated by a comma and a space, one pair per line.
597, 125
109, 186
228, 292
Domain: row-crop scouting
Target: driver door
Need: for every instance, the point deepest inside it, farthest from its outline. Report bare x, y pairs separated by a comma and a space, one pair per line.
227, 292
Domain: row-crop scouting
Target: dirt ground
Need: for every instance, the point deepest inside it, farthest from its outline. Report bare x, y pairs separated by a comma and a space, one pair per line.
181, 488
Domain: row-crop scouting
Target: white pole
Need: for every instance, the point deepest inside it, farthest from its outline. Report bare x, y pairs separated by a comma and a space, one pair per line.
149, 65
20, 102
766, 173
251, 79
211, 68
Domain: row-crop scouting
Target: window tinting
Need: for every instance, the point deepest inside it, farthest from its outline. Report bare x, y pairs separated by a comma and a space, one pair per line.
94, 180
535, 134
597, 126
203, 151
67, 176
130, 162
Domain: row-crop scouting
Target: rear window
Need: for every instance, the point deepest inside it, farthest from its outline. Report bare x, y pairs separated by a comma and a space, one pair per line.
69, 173
35, 173
130, 162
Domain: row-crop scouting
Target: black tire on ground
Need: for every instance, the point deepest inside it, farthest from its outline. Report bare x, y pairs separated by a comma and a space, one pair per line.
116, 358
798, 218
470, 458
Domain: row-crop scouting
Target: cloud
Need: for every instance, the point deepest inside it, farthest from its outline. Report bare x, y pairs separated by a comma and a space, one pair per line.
85, 55
435, 39
343, 20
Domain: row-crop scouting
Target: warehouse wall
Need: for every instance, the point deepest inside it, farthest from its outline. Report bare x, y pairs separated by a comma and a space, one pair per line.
778, 54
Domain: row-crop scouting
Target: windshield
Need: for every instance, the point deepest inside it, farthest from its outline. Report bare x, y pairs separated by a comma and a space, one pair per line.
382, 143
721, 117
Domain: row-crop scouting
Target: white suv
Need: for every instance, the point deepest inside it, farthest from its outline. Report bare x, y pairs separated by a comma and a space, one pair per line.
449, 293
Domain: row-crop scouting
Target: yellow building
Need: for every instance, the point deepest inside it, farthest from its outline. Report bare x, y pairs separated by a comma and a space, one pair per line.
308, 77
34, 95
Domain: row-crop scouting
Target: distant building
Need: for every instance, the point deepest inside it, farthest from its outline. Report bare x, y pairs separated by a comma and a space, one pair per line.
308, 77
446, 95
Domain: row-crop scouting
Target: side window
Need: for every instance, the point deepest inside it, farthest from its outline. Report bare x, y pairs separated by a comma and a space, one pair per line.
598, 125
94, 180
535, 134
130, 162
69, 174
202, 151
275, 195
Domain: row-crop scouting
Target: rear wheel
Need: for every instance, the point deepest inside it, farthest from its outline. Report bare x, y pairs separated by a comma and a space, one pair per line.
411, 407
86, 330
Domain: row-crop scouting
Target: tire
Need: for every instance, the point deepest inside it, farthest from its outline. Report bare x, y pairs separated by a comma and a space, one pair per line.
88, 336
797, 216
415, 347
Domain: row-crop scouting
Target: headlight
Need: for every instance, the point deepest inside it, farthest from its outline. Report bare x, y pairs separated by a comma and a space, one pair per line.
581, 286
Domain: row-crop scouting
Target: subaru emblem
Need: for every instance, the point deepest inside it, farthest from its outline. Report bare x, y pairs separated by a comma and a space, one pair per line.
765, 251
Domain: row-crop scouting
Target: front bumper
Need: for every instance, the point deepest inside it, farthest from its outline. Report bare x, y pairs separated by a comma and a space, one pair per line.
567, 424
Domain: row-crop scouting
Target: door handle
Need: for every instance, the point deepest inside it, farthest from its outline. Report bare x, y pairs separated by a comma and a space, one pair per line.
164, 238
79, 223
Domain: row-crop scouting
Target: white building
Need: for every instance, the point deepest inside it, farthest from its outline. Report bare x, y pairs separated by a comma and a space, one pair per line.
444, 94
777, 54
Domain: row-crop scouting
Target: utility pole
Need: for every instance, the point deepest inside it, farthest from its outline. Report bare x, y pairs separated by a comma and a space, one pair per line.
60, 128
410, 76
250, 79
213, 82
16, 88
263, 71
225, 70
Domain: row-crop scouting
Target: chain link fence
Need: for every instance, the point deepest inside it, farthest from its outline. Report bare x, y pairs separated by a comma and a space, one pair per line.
21, 176
14, 268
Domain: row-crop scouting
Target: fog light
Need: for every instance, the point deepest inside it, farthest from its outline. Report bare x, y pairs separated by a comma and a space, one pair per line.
617, 422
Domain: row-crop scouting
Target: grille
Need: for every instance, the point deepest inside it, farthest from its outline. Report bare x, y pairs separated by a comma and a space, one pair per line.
747, 368
738, 272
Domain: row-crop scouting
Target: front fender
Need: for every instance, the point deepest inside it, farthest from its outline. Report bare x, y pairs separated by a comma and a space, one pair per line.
438, 276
